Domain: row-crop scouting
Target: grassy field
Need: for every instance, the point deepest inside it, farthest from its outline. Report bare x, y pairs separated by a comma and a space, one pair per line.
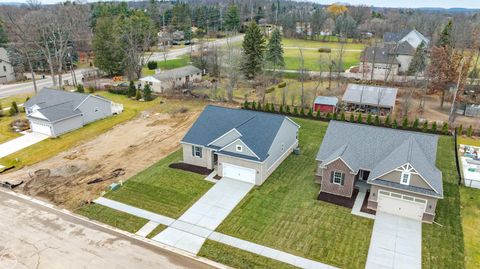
6, 132
51, 147
312, 59
161, 189
292, 42
473, 141
112, 217
283, 213
471, 222
169, 64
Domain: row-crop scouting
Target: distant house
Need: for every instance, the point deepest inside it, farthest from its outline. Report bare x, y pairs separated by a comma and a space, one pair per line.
397, 168
395, 55
240, 144
171, 79
325, 104
7, 74
369, 99
55, 112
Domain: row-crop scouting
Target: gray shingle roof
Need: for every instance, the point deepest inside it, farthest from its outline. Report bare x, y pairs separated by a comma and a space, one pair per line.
257, 129
370, 95
381, 55
177, 73
49, 97
59, 112
326, 100
390, 37
403, 48
381, 150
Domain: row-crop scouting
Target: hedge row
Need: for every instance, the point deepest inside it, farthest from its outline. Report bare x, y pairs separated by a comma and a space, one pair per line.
369, 119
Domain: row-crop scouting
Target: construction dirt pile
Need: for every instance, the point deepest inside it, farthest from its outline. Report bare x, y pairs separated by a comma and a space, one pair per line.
80, 174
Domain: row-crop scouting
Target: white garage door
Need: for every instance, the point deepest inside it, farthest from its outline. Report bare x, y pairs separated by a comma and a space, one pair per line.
41, 128
402, 205
239, 172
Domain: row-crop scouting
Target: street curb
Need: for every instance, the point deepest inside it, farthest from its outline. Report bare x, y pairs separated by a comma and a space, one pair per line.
116, 230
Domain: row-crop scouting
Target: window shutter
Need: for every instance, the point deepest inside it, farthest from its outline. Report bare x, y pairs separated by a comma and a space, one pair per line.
331, 177
343, 179
193, 151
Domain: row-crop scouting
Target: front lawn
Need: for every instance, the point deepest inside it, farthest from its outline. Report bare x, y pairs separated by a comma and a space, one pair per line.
470, 201
161, 189
51, 147
167, 65
312, 59
284, 214
112, 217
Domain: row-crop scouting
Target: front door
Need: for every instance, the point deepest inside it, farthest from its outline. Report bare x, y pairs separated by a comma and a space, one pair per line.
215, 159
363, 175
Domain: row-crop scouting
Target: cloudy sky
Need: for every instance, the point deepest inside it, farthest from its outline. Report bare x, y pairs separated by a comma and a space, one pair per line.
379, 3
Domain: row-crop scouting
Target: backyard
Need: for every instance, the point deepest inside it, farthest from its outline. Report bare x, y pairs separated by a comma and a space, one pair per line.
166, 65
471, 222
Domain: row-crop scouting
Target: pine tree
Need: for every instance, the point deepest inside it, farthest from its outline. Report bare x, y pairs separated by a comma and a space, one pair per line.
15, 107
446, 37
12, 111
359, 118
460, 130
246, 104
369, 118
470, 131
310, 113
1, 110
147, 93
288, 109
80, 88
415, 124
319, 115
334, 115
395, 124
405, 123
433, 128
377, 120
254, 105
387, 121
138, 95
419, 60
259, 106
302, 112
132, 90
445, 128
329, 116
253, 47
274, 53
295, 111
281, 109
232, 20
425, 126
109, 55
352, 118
342, 116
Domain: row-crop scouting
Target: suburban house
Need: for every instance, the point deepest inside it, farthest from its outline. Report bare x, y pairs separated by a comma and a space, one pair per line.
369, 99
325, 104
397, 166
55, 112
7, 74
172, 79
240, 144
394, 55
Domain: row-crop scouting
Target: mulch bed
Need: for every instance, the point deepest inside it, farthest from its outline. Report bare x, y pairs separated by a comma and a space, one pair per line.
364, 208
191, 168
338, 200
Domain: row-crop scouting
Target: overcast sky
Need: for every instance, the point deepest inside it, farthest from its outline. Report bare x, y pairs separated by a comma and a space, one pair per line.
379, 3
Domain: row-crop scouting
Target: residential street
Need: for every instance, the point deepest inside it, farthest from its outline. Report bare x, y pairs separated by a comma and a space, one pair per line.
34, 236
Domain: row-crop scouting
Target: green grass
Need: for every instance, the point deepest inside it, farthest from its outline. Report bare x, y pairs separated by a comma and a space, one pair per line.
112, 217
312, 59
169, 64
284, 214
292, 42
161, 189
51, 147
6, 132
470, 201
156, 231
472, 141
238, 258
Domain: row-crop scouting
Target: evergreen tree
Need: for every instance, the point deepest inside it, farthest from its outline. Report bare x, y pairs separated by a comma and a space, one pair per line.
334, 115
425, 126
232, 21
419, 60
15, 107
310, 113
433, 128
254, 105
12, 111
274, 53
1, 110
369, 118
246, 105
470, 131
80, 88
395, 124
109, 55
377, 120
281, 109
132, 90
387, 121
259, 106
342, 116
405, 123
319, 115
288, 109
253, 47
352, 118
446, 37
359, 118
445, 128
295, 111
415, 124
147, 93
138, 95
329, 116
302, 111
460, 130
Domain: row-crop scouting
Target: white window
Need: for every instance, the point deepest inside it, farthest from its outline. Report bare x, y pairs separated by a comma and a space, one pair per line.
197, 151
405, 180
338, 178
239, 148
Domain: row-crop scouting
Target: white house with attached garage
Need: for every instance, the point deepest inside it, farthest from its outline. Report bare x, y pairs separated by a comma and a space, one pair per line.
55, 112
240, 144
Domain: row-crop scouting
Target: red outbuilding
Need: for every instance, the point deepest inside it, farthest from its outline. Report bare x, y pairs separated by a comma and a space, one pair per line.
325, 104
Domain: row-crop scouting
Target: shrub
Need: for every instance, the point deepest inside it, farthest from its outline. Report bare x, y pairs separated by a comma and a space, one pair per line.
318, 115
295, 111
138, 95
329, 116
387, 121
302, 112
1, 110
334, 116
369, 118
359, 118
433, 128
281, 109
288, 109
246, 105
395, 124
147, 93
460, 129
425, 126
310, 113
282, 85
259, 106
131, 89
445, 128
377, 121
405, 123
12, 111
352, 118
14, 107
415, 124
342, 116
254, 106
152, 65
269, 90
470, 131
80, 88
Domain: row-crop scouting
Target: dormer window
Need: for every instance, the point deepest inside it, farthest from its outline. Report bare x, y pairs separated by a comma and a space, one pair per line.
239, 148
405, 180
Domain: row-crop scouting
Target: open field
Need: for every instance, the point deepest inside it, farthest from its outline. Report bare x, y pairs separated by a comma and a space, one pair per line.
169, 64
473, 141
161, 189
292, 42
312, 59
130, 147
471, 222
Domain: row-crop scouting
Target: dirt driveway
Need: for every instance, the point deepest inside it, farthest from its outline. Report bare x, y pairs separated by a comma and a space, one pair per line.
113, 156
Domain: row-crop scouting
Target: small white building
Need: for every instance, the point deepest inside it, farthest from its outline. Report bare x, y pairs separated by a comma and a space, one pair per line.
172, 79
7, 73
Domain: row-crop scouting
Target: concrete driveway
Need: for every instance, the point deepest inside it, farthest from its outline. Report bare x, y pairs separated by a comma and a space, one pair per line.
199, 221
34, 236
396, 243
20, 143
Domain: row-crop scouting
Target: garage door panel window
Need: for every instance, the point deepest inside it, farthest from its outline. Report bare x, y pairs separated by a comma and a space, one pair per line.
197, 151
337, 178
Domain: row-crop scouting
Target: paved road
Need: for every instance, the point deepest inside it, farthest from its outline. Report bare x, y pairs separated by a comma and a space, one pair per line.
33, 236
175, 53
27, 87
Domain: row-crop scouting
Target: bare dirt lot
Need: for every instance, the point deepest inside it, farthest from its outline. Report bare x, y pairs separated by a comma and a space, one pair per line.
111, 157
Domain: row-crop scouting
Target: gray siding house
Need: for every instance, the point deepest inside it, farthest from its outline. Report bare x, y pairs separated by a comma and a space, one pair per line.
55, 112
172, 79
240, 144
398, 168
